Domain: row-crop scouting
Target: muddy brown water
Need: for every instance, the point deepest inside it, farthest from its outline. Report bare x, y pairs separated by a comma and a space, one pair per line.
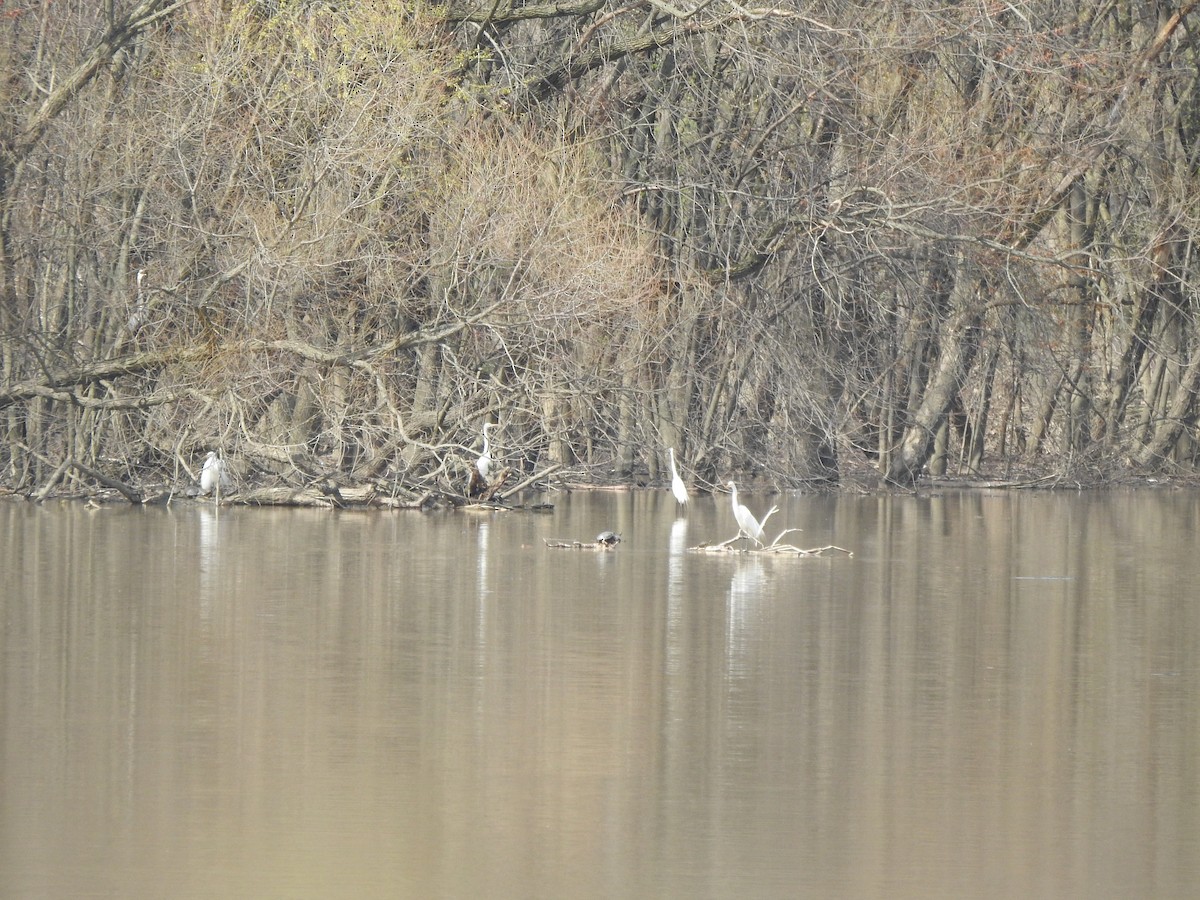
997, 695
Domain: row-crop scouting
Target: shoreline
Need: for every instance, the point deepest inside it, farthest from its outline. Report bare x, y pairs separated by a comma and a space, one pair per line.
379, 495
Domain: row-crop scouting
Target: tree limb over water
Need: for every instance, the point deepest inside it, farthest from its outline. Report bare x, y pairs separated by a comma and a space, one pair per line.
54, 383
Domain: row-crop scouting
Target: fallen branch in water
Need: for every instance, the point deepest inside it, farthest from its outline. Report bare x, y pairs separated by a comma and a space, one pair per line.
537, 476
578, 545
119, 486
775, 548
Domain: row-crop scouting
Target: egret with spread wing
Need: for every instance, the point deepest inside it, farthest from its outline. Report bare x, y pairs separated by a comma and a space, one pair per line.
747, 524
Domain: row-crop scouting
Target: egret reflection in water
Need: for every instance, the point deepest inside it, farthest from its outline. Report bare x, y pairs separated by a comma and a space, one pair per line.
745, 611
677, 551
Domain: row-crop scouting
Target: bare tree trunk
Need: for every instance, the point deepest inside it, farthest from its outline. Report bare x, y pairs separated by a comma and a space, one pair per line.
1179, 416
957, 346
940, 452
975, 433
626, 443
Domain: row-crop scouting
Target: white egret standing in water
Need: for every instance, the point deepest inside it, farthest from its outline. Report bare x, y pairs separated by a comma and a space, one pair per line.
484, 463
678, 488
212, 476
748, 525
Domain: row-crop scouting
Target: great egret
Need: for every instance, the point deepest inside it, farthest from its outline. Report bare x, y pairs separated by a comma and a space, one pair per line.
212, 476
748, 525
678, 488
484, 463
141, 312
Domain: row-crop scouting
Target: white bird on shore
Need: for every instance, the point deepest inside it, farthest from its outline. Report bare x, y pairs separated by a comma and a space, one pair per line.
212, 476
139, 315
747, 524
678, 488
484, 463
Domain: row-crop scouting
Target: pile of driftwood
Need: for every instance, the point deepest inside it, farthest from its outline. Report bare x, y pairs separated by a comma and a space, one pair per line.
216, 484
775, 548
327, 492
605, 540
739, 544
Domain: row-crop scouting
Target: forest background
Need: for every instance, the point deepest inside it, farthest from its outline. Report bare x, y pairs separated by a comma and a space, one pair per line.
798, 242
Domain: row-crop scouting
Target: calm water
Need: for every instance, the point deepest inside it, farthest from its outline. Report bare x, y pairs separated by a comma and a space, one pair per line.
997, 696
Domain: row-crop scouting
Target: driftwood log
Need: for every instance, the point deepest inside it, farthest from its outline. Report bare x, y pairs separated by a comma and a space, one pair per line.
578, 545
775, 548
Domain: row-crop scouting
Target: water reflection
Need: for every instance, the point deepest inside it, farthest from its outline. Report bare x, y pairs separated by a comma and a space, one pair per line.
676, 550
483, 594
996, 696
744, 619
481, 557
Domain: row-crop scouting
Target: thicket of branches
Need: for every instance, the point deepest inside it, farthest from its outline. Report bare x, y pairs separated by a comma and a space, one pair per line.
796, 241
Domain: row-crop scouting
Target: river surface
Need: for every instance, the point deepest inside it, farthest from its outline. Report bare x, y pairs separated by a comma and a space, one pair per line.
997, 695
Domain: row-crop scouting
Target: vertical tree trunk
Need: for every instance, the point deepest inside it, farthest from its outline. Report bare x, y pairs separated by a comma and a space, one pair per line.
974, 437
1179, 416
940, 452
1079, 324
957, 345
626, 422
